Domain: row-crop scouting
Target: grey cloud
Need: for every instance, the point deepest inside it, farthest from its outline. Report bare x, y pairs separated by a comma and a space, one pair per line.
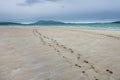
31, 2
66, 10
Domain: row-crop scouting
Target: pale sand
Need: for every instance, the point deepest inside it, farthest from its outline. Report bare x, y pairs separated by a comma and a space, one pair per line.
59, 54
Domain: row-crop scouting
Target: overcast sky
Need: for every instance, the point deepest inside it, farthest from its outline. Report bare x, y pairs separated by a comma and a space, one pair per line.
61, 10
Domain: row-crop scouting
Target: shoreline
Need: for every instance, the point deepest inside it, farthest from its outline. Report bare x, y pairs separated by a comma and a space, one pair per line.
66, 26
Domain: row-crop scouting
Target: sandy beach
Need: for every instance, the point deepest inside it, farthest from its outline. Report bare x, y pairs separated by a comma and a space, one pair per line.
43, 53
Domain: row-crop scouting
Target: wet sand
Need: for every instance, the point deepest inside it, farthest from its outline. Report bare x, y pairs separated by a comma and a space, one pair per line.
29, 53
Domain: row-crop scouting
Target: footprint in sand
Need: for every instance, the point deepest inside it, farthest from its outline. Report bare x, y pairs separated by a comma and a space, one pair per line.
109, 71
85, 61
92, 67
78, 65
78, 57
83, 71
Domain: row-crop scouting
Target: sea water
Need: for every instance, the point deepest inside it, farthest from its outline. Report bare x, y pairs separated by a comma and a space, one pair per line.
95, 26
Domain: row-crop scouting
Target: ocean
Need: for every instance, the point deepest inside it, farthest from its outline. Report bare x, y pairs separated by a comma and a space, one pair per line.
95, 26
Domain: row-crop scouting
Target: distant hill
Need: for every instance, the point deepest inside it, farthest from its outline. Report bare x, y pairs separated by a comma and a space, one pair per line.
48, 22
8, 23
118, 22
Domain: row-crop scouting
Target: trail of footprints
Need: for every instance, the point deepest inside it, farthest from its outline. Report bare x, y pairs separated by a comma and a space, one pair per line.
76, 57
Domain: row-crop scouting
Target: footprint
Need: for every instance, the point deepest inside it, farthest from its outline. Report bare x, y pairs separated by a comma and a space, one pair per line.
39, 34
65, 47
109, 71
85, 61
83, 71
72, 51
58, 51
78, 65
92, 67
78, 57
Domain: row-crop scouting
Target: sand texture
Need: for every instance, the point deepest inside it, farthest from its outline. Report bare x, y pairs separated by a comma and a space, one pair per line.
32, 53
